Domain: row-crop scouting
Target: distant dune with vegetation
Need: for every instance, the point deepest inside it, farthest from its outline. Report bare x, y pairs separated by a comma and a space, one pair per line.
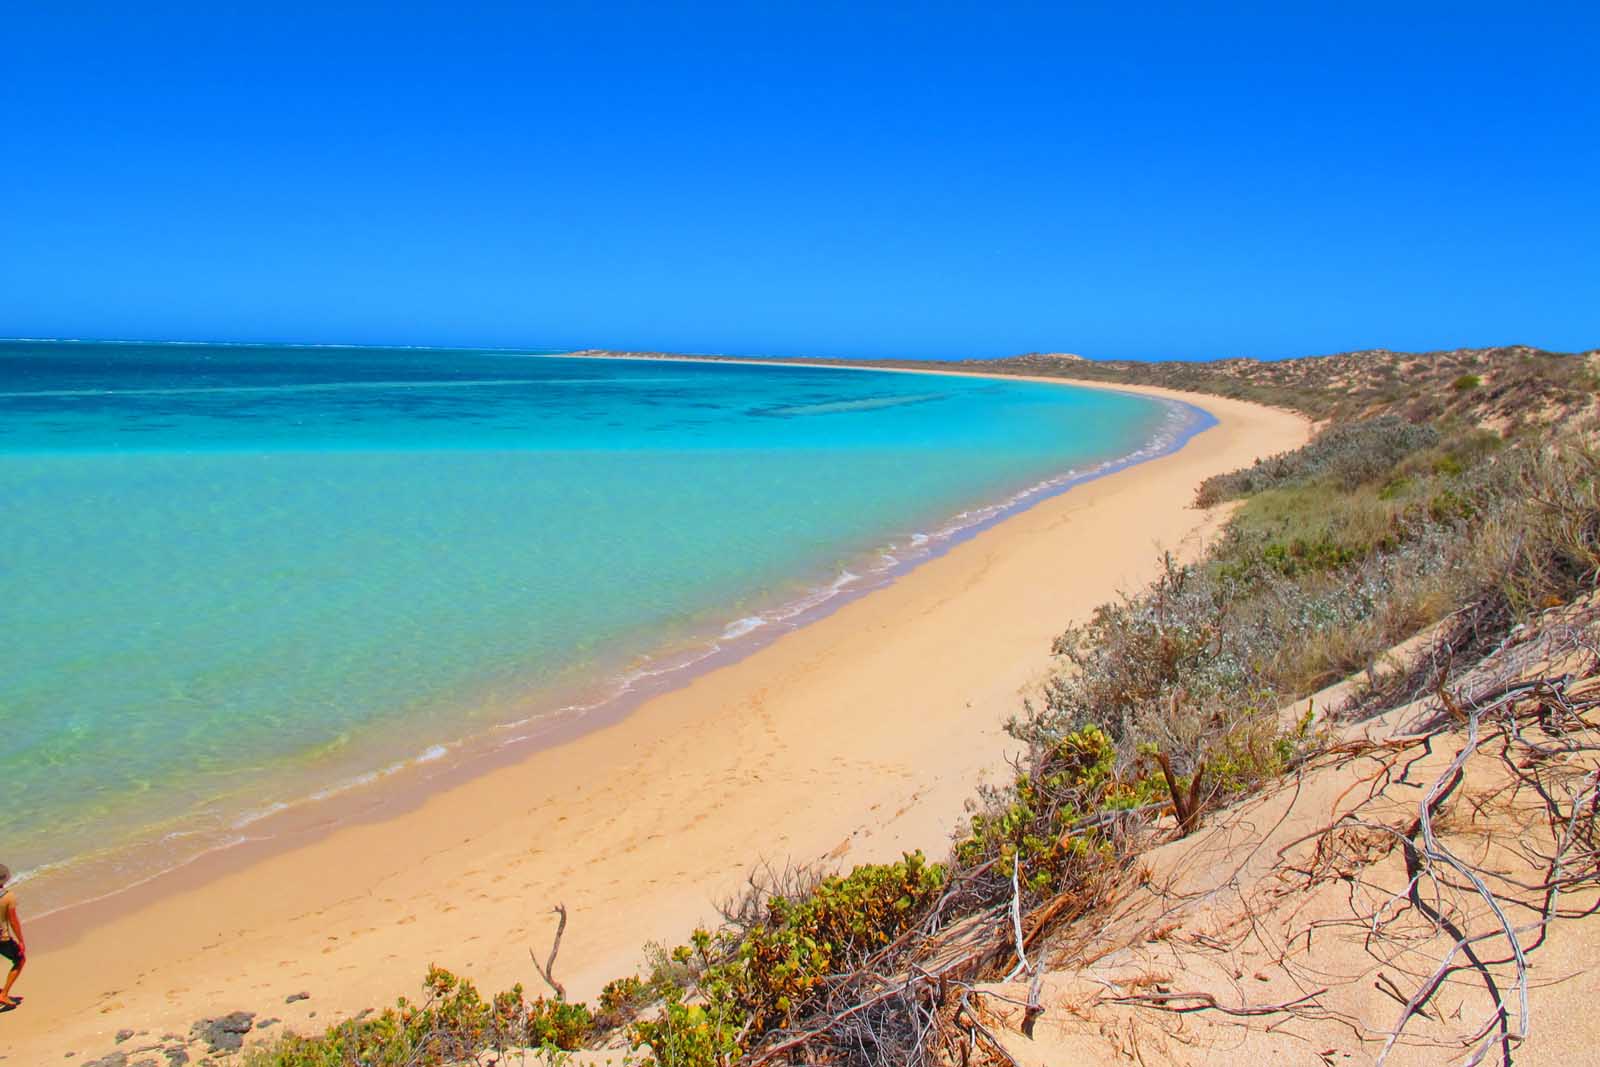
1500, 387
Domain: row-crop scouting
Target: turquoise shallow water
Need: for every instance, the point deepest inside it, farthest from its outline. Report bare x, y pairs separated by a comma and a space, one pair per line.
232, 577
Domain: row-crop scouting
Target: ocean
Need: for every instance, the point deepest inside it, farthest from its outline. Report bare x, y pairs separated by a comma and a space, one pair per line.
240, 578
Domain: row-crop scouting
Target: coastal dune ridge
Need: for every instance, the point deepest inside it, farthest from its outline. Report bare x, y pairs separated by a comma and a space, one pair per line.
851, 730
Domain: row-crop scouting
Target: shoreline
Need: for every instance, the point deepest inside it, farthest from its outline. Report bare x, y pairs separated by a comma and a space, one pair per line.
557, 715
279, 902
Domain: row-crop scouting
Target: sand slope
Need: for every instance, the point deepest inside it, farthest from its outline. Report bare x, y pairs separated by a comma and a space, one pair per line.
1309, 922
856, 737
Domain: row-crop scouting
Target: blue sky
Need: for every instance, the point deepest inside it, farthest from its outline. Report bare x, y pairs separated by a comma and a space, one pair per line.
937, 180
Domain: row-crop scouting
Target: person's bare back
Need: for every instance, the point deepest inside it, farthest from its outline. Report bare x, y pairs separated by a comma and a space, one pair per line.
12, 944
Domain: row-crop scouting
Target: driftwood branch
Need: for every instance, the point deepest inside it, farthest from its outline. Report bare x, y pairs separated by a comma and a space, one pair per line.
548, 971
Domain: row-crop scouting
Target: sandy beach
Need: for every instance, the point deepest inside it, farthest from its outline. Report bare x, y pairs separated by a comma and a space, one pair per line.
854, 738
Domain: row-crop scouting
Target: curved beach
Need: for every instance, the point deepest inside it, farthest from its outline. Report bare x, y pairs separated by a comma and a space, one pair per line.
855, 737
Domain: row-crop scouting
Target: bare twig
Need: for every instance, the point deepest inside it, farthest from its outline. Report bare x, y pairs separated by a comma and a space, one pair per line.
1174, 1002
547, 972
972, 1017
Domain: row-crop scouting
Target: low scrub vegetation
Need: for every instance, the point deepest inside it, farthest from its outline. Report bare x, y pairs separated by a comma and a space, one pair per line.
453, 1024
1343, 457
761, 975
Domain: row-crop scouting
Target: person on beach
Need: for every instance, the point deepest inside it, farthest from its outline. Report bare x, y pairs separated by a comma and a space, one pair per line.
12, 945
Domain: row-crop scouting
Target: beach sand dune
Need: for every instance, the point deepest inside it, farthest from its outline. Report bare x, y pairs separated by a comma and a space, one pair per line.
856, 737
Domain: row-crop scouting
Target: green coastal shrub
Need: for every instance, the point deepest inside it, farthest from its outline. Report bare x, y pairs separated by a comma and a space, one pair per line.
1033, 825
780, 964
691, 1035
454, 1024
736, 983
1304, 529
620, 1001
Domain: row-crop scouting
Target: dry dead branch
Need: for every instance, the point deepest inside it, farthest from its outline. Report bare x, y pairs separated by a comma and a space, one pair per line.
547, 972
1189, 1002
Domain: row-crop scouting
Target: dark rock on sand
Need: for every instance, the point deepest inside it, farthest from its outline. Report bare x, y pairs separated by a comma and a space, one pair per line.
123, 1035
224, 1033
292, 997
